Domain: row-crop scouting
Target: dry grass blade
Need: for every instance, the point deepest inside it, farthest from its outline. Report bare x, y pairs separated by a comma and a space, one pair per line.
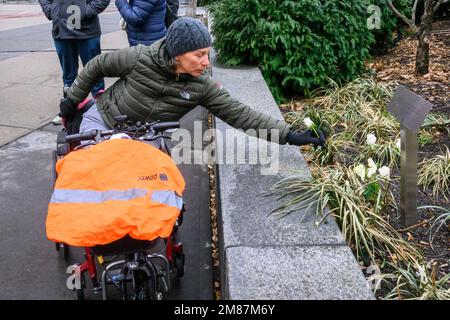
419, 282
339, 189
435, 173
442, 220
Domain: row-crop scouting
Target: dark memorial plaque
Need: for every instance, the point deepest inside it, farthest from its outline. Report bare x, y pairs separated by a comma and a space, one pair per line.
410, 110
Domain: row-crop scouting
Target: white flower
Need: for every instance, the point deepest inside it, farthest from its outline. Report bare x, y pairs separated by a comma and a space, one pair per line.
360, 170
398, 143
371, 139
384, 172
308, 122
371, 171
372, 167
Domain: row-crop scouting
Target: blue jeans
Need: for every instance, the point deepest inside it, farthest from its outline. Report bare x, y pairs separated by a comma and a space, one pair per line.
68, 51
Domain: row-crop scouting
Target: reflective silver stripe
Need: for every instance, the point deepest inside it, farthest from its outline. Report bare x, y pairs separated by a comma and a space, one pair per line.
167, 197
90, 196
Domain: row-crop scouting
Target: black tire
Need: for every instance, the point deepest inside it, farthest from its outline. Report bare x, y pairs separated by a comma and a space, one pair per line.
80, 292
66, 251
65, 247
143, 286
180, 217
54, 173
179, 266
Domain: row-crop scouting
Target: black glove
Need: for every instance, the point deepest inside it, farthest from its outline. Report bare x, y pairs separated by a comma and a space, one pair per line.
306, 137
67, 108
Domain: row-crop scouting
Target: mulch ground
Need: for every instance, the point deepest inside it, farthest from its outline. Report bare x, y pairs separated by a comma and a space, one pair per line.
398, 65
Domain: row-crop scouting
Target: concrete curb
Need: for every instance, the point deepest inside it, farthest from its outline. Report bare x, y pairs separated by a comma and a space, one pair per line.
264, 257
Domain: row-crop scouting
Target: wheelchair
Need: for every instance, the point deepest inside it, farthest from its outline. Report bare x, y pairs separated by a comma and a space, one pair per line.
131, 269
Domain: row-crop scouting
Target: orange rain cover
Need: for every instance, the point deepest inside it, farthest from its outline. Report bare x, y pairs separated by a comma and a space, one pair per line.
108, 192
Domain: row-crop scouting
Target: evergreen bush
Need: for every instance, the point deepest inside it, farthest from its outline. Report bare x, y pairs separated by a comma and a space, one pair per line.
298, 45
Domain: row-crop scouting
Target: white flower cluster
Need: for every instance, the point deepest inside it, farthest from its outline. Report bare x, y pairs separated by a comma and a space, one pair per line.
384, 172
371, 139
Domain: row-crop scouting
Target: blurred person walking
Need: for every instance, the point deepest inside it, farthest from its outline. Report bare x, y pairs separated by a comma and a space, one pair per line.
76, 33
144, 20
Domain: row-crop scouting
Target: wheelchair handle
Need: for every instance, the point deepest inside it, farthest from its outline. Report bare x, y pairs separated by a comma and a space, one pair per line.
163, 126
90, 135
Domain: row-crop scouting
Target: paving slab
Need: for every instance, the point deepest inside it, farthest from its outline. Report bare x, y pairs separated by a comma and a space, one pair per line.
114, 40
295, 273
30, 106
8, 134
246, 83
29, 68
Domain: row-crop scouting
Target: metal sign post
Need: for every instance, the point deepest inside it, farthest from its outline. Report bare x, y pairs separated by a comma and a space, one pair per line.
410, 110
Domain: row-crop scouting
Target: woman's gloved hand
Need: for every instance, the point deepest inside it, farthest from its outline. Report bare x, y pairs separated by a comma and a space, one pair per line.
67, 108
306, 137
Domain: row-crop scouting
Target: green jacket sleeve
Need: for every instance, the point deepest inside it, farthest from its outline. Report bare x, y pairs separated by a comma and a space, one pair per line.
238, 115
117, 63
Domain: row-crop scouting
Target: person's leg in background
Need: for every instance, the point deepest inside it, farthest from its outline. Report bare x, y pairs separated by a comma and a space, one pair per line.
68, 58
171, 12
88, 49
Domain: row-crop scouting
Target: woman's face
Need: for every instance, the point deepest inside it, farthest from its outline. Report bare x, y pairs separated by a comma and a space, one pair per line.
193, 62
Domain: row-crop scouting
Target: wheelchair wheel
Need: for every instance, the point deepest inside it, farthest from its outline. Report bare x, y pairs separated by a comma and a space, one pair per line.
80, 292
179, 265
65, 248
54, 173
143, 286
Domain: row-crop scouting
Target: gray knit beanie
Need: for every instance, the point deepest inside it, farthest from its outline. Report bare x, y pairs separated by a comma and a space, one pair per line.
186, 34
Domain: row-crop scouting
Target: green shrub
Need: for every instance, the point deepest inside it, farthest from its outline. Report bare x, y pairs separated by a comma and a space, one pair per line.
298, 45
202, 3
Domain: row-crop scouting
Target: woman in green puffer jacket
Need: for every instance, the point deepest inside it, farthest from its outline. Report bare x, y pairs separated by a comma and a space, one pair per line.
165, 81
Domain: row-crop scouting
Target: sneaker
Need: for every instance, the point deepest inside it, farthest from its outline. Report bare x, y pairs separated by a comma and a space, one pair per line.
57, 121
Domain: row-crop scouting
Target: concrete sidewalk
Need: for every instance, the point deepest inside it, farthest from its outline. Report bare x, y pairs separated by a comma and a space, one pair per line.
18, 15
31, 87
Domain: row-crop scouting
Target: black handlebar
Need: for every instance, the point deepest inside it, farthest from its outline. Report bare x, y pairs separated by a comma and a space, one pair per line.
163, 126
91, 135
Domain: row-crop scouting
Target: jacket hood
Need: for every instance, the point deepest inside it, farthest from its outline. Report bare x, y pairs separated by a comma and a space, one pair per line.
159, 54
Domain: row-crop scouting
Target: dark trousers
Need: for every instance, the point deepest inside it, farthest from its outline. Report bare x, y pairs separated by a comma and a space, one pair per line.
68, 51
171, 12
